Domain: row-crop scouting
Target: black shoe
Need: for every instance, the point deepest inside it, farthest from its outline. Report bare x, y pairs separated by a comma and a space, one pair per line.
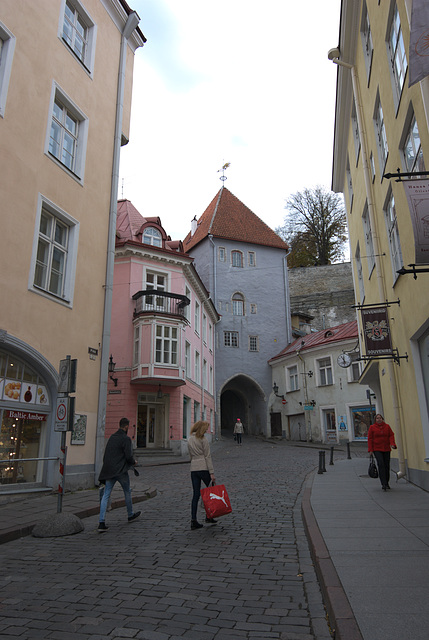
387, 486
384, 487
134, 516
102, 526
211, 521
196, 525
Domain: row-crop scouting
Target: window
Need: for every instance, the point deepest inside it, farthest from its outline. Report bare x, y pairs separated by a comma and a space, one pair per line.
197, 317
53, 262
393, 234
349, 184
230, 338
292, 379
355, 131
204, 328
156, 281
197, 409
187, 309
325, 371
78, 32
136, 354
369, 245
152, 236
355, 368
411, 148
253, 308
7, 48
372, 166
210, 389
238, 304
254, 343
236, 258
366, 40
222, 254
197, 368
380, 135
166, 345
187, 359
210, 336
396, 54
251, 258
204, 374
67, 135
359, 274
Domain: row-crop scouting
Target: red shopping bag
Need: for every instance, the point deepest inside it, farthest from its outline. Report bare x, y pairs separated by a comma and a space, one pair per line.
216, 501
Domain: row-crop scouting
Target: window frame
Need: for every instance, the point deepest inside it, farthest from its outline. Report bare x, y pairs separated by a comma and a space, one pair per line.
197, 319
6, 58
380, 134
47, 206
359, 273
229, 338
327, 371
163, 339
197, 367
292, 378
238, 304
152, 233
398, 70
355, 365
60, 97
392, 230
88, 62
369, 243
222, 254
253, 341
408, 140
251, 258
367, 44
237, 254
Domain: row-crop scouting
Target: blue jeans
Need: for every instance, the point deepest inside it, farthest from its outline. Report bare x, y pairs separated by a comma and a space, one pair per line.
196, 478
124, 481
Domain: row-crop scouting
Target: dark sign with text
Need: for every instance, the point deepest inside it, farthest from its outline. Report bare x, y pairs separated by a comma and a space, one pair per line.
376, 331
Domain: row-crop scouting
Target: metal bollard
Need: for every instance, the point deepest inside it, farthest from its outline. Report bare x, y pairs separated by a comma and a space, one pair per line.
331, 461
323, 461
321, 465
348, 451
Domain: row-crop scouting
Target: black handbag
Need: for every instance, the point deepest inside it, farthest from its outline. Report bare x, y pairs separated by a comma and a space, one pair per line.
372, 469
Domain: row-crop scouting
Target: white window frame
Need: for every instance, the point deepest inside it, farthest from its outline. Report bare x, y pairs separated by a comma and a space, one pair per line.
6, 58
380, 135
393, 238
411, 146
164, 345
187, 308
396, 53
372, 166
367, 45
210, 389
354, 371
254, 344
88, 60
253, 307
292, 378
349, 184
369, 243
204, 374
237, 304
136, 346
355, 131
359, 273
188, 372
251, 258
210, 345
230, 339
158, 303
325, 372
235, 253
71, 262
204, 329
197, 368
197, 317
222, 254
152, 237
78, 171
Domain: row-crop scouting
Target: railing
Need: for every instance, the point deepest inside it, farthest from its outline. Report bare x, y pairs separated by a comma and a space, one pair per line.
156, 301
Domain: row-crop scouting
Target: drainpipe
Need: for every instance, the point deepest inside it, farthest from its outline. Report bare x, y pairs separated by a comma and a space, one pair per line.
130, 25
333, 55
287, 301
217, 408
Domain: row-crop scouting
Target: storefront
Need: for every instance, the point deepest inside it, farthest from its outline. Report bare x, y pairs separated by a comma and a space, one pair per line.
25, 411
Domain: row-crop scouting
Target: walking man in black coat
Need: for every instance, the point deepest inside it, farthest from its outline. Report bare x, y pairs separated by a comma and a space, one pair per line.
118, 458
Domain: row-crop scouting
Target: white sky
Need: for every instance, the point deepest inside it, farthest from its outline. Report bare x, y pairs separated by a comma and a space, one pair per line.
234, 81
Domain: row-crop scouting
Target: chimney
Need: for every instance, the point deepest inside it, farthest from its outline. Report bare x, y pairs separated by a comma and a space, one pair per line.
194, 225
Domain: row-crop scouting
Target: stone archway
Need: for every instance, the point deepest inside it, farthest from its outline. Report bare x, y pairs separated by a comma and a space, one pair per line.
242, 397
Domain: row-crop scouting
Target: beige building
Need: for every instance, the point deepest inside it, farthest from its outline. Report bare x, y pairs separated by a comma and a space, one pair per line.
65, 97
381, 125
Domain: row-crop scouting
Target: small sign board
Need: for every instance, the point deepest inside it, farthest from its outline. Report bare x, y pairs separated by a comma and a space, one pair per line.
62, 414
308, 407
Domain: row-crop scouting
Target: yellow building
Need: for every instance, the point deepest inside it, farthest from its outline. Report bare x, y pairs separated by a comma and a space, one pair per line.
381, 126
65, 98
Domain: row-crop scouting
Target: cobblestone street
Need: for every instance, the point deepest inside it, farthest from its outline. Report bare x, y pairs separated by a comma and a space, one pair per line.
249, 576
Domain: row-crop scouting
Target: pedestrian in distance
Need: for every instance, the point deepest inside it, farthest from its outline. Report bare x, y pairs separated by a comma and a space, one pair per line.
381, 440
238, 430
118, 458
201, 467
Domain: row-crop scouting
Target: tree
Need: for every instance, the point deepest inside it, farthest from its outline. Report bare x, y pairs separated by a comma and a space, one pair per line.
315, 227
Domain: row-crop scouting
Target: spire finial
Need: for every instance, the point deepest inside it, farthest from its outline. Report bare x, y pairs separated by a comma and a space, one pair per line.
223, 177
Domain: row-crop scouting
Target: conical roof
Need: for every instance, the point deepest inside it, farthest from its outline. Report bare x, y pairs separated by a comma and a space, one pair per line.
228, 218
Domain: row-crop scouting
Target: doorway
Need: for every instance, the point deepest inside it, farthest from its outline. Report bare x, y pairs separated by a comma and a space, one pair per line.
330, 425
147, 432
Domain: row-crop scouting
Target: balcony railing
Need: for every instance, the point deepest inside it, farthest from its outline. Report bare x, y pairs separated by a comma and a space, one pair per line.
156, 301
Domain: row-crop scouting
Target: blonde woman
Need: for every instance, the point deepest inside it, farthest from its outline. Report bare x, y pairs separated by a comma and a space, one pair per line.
201, 467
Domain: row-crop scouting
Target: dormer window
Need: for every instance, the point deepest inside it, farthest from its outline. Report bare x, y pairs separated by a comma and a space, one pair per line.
152, 236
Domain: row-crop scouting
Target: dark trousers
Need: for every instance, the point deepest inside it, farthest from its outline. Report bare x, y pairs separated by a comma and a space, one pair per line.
196, 478
238, 436
383, 463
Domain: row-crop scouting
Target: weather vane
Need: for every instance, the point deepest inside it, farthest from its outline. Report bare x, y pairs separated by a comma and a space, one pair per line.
223, 176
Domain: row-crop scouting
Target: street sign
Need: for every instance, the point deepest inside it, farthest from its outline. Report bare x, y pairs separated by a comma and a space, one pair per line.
62, 414
308, 407
67, 377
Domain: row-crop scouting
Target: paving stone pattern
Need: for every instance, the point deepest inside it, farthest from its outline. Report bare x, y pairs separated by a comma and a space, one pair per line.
249, 576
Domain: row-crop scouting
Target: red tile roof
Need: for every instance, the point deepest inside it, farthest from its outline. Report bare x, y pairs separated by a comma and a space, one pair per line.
346, 331
228, 218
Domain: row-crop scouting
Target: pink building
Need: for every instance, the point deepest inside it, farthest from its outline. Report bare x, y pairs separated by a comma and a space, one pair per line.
162, 337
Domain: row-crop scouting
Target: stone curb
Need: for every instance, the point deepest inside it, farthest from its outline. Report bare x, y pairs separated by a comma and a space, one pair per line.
20, 531
341, 617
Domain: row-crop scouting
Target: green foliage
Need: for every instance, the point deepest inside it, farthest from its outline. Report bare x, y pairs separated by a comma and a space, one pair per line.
315, 227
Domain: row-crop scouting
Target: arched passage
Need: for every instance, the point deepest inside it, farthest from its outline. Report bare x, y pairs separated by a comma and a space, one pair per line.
242, 397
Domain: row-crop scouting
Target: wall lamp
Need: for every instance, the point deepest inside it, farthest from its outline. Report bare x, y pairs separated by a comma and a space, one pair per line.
276, 391
112, 366
159, 394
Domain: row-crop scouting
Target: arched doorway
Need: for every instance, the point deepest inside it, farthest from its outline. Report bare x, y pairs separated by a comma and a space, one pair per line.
242, 397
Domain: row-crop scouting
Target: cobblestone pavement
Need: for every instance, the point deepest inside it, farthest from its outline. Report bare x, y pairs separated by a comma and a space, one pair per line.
249, 576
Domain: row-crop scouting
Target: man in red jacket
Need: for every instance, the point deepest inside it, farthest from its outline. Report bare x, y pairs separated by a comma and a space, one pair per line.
381, 440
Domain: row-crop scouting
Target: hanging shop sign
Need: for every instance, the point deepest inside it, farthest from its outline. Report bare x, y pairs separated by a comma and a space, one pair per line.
26, 415
417, 192
376, 330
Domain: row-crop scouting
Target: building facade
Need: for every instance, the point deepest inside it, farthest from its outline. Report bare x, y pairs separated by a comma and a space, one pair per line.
162, 340
59, 127
317, 393
243, 264
381, 127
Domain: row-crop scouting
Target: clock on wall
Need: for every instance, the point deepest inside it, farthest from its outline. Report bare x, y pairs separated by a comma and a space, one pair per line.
344, 360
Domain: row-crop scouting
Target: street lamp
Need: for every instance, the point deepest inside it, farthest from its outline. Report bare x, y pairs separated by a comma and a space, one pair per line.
112, 366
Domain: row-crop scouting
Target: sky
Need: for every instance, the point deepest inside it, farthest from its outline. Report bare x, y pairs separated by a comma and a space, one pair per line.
233, 81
